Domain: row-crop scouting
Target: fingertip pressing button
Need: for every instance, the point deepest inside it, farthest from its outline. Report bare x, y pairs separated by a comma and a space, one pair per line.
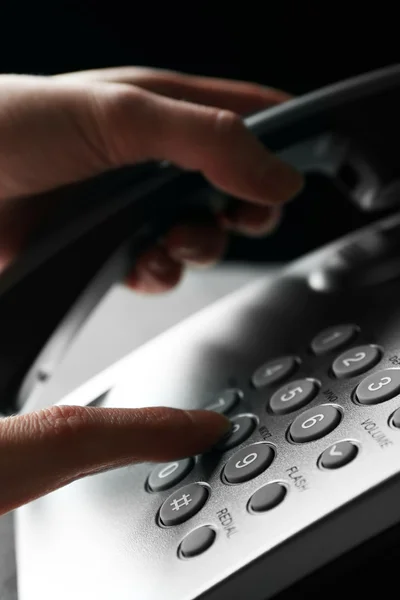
197, 542
242, 428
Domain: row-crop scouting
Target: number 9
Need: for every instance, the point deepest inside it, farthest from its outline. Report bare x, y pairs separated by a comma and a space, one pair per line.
246, 461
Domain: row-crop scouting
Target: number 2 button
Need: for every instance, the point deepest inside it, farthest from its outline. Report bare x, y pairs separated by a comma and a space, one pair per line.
314, 423
355, 361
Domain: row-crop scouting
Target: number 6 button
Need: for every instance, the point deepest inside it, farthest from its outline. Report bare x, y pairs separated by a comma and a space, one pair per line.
248, 463
314, 423
379, 386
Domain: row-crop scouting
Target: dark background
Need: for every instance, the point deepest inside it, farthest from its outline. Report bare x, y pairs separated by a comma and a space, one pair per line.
297, 46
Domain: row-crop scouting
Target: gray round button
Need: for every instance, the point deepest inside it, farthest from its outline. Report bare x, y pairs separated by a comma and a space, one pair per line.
242, 428
395, 419
248, 462
338, 455
267, 497
225, 401
333, 338
314, 423
183, 504
379, 386
274, 371
293, 395
356, 361
197, 542
166, 475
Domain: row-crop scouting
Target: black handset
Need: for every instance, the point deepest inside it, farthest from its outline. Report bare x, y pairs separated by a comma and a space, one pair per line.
306, 365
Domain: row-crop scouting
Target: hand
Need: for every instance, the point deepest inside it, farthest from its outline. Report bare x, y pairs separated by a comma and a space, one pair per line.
59, 130
63, 129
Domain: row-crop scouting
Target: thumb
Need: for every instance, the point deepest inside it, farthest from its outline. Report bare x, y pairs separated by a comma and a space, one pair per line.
43, 451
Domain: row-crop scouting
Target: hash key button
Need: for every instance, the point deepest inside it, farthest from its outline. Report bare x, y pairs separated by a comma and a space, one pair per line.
183, 504
274, 371
379, 386
338, 455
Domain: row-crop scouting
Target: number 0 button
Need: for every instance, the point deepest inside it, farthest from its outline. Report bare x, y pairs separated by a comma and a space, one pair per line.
314, 423
248, 463
379, 386
293, 395
166, 475
355, 361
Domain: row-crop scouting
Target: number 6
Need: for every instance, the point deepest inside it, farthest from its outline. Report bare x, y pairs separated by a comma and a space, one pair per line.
312, 421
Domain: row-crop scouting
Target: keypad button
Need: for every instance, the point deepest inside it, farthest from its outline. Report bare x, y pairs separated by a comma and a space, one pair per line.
226, 401
267, 497
197, 542
395, 419
242, 428
183, 504
314, 423
356, 361
248, 462
338, 455
166, 475
333, 338
379, 386
274, 371
293, 395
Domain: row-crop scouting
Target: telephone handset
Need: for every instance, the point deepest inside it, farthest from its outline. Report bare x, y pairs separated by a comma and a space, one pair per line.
306, 365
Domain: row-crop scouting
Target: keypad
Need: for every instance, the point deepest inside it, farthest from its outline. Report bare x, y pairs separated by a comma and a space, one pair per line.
378, 387
183, 504
356, 361
242, 428
226, 401
293, 395
248, 462
165, 476
197, 542
333, 338
267, 497
338, 455
314, 423
310, 425
274, 371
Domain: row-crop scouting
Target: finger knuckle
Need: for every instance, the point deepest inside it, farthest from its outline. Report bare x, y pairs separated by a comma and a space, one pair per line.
227, 123
63, 421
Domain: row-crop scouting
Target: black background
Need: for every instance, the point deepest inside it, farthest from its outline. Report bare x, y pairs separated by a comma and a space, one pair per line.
297, 46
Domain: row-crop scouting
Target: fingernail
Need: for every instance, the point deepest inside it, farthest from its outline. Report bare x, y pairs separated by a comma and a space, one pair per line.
283, 180
210, 426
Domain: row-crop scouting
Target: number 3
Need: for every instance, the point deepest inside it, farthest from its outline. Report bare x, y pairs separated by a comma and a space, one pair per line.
375, 387
246, 461
312, 421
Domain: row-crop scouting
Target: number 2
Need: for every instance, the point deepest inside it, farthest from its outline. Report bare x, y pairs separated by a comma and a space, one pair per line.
356, 358
375, 387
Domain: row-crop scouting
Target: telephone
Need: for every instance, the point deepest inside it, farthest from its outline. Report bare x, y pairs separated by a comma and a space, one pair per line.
306, 365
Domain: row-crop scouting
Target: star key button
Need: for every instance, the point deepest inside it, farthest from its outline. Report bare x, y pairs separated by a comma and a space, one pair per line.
183, 504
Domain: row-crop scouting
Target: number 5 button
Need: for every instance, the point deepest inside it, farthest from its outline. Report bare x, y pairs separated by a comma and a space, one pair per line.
314, 423
293, 395
379, 386
355, 361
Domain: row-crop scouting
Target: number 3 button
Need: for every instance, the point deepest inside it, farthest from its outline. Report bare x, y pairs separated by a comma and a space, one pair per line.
314, 423
379, 386
248, 463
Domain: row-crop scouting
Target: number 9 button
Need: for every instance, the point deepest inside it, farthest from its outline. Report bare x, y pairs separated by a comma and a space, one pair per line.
248, 462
